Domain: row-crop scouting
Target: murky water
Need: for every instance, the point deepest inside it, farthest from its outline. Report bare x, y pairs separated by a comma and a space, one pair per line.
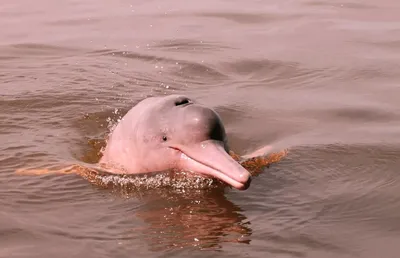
318, 77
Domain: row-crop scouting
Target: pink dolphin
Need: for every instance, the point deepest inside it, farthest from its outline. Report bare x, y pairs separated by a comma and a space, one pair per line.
173, 132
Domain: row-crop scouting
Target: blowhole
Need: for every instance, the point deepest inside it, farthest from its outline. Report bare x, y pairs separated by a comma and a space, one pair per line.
182, 101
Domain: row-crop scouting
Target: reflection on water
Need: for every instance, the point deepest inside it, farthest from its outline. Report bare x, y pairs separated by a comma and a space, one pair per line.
203, 219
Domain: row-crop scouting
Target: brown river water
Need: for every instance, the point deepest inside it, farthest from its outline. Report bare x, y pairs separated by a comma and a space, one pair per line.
320, 78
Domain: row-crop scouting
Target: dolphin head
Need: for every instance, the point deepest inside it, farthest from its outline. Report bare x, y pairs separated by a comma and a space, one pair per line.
174, 132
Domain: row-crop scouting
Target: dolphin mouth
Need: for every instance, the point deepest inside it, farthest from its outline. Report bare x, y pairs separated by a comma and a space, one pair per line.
209, 158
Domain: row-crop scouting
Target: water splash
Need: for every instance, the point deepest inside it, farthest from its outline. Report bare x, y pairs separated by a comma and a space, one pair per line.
177, 180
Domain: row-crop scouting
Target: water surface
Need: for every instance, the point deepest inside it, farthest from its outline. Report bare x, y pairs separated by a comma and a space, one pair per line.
318, 77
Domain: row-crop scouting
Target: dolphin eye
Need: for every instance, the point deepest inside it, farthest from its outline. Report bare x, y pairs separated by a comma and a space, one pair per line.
182, 101
164, 138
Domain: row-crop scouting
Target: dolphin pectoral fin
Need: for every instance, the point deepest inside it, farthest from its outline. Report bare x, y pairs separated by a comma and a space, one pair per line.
255, 165
46, 171
210, 158
65, 170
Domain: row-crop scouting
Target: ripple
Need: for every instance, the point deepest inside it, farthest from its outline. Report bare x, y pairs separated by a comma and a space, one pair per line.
199, 72
358, 114
245, 18
275, 73
129, 54
171, 73
343, 5
189, 46
32, 50
344, 195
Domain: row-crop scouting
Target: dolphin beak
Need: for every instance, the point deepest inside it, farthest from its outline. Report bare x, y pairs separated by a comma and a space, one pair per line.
210, 158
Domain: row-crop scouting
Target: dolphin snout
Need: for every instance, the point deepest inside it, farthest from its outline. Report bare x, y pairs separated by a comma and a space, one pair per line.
247, 184
210, 158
